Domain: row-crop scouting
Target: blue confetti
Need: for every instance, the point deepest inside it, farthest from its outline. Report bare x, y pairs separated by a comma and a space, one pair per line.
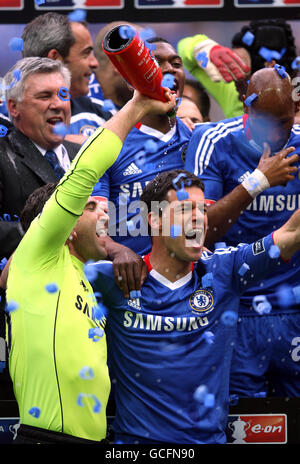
280, 70
261, 305
150, 146
296, 63
182, 194
296, 293
140, 158
108, 105
151, 46
90, 271
274, 251
130, 225
168, 81
200, 393
282, 52
249, 100
268, 54
99, 311
135, 294
234, 399
3, 130
60, 129
209, 401
127, 32
86, 373
77, 16
35, 412
285, 296
261, 394
64, 94
11, 306
16, 44
97, 405
202, 58
209, 337
175, 231
3, 263
17, 74
96, 334
147, 33
248, 38
51, 288
229, 318
243, 269
39, 2
207, 280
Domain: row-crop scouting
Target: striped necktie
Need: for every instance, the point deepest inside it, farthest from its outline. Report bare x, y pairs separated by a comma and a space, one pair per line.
51, 157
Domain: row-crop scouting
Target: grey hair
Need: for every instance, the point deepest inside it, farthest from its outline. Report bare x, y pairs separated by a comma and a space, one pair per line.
14, 88
46, 32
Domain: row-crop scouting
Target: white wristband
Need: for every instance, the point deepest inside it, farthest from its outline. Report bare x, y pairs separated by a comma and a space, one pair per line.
256, 183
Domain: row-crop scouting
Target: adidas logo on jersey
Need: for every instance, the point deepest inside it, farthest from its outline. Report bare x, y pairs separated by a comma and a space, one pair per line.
132, 169
244, 176
134, 303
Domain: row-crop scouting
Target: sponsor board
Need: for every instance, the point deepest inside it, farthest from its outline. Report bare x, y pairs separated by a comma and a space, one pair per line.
257, 428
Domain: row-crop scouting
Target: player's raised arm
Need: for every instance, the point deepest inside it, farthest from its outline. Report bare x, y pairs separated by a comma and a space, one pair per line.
287, 237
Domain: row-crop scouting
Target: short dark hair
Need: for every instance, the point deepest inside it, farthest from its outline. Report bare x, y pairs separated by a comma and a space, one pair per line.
48, 31
157, 189
35, 204
274, 34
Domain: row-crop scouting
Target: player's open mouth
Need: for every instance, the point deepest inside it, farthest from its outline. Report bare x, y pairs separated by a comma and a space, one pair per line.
192, 234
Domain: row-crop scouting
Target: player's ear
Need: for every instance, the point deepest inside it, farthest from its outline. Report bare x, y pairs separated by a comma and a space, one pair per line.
155, 222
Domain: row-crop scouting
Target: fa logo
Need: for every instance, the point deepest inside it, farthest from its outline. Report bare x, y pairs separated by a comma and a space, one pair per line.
201, 301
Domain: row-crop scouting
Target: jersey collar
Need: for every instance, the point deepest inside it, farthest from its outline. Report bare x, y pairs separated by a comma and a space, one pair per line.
163, 280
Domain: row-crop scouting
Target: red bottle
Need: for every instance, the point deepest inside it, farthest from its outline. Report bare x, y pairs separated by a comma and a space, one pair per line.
135, 62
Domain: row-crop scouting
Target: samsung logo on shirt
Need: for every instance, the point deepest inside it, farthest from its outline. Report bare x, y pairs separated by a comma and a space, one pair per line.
162, 323
280, 202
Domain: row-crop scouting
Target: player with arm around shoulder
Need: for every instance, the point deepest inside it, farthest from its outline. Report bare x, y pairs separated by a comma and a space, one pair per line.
170, 346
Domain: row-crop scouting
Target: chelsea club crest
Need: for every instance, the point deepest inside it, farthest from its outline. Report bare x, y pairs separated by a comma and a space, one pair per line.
201, 301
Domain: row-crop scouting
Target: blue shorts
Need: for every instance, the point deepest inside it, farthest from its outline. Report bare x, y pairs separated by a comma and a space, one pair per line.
266, 356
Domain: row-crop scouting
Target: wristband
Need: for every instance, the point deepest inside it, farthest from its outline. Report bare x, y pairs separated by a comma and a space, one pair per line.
256, 183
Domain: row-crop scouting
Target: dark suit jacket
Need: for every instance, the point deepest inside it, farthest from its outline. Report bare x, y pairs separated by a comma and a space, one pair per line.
22, 170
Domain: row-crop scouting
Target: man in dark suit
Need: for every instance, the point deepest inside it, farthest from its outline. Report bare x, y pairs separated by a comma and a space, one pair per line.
35, 107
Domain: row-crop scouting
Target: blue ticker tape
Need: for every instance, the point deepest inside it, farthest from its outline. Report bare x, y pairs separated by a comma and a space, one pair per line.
77, 16
60, 129
200, 393
11, 306
51, 288
97, 405
127, 32
274, 251
182, 194
175, 231
86, 373
243, 269
268, 54
3, 130
261, 305
108, 105
147, 33
296, 63
90, 271
229, 318
168, 81
96, 334
249, 100
16, 44
150, 146
202, 58
64, 94
135, 294
35, 412
280, 70
209, 337
248, 38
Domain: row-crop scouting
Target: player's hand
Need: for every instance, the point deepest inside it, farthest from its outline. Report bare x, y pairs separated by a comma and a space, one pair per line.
188, 122
279, 168
221, 62
152, 106
130, 270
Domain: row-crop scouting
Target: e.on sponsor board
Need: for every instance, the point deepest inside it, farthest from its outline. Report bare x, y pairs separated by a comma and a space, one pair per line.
257, 428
